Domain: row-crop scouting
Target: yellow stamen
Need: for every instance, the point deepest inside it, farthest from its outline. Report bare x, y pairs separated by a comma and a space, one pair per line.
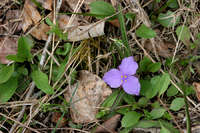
125, 76
125, 80
122, 76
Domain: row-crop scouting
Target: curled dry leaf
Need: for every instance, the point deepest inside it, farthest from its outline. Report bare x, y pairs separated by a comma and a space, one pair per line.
109, 125
7, 46
90, 92
197, 89
163, 48
30, 15
56, 117
87, 31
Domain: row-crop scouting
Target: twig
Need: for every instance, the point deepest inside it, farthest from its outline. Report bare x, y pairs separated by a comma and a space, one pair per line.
32, 129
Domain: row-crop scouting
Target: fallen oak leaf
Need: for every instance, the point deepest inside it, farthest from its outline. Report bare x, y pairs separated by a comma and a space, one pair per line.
86, 96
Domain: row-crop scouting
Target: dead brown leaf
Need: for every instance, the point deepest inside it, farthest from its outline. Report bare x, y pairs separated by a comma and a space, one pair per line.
90, 92
47, 4
30, 15
109, 125
163, 48
7, 46
87, 31
40, 32
56, 117
197, 89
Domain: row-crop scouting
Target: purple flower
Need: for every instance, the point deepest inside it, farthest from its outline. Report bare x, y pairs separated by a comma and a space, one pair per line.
123, 76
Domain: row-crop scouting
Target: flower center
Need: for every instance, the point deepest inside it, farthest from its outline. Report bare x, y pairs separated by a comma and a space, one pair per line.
124, 78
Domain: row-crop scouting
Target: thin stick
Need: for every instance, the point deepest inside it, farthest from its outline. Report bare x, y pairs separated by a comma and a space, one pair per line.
32, 129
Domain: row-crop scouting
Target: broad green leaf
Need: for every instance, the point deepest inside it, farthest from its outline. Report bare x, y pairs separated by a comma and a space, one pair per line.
172, 91
41, 81
168, 19
110, 100
167, 127
124, 110
172, 3
164, 129
145, 86
23, 51
24, 48
157, 113
130, 119
183, 34
145, 32
177, 104
147, 124
101, 9
153, 88
5, 73
130, 99
154, 67
143, 101
7, 89
144, 63
164, 83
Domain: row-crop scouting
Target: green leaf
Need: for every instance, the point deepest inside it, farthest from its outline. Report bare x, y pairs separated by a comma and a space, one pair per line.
130, 16
41, 81
172, 91
153, 88
172, 3
147, 124
164, 83
110, 100
157, 113
154, 67
130, 99
168, 19
167, 127
7, 89
145, 32
65, 51
101, 9
130, 119
144, 63
143, 101
164, 129
5, 73
177, 104
23, 51
183, 34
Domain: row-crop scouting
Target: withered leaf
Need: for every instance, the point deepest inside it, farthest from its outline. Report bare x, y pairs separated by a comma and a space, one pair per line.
8, 46
47, 4
90, 92
197, 89
109, 125
30, 15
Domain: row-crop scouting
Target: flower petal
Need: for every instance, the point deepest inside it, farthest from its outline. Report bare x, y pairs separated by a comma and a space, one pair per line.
113, 78
128, 66
132, 85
